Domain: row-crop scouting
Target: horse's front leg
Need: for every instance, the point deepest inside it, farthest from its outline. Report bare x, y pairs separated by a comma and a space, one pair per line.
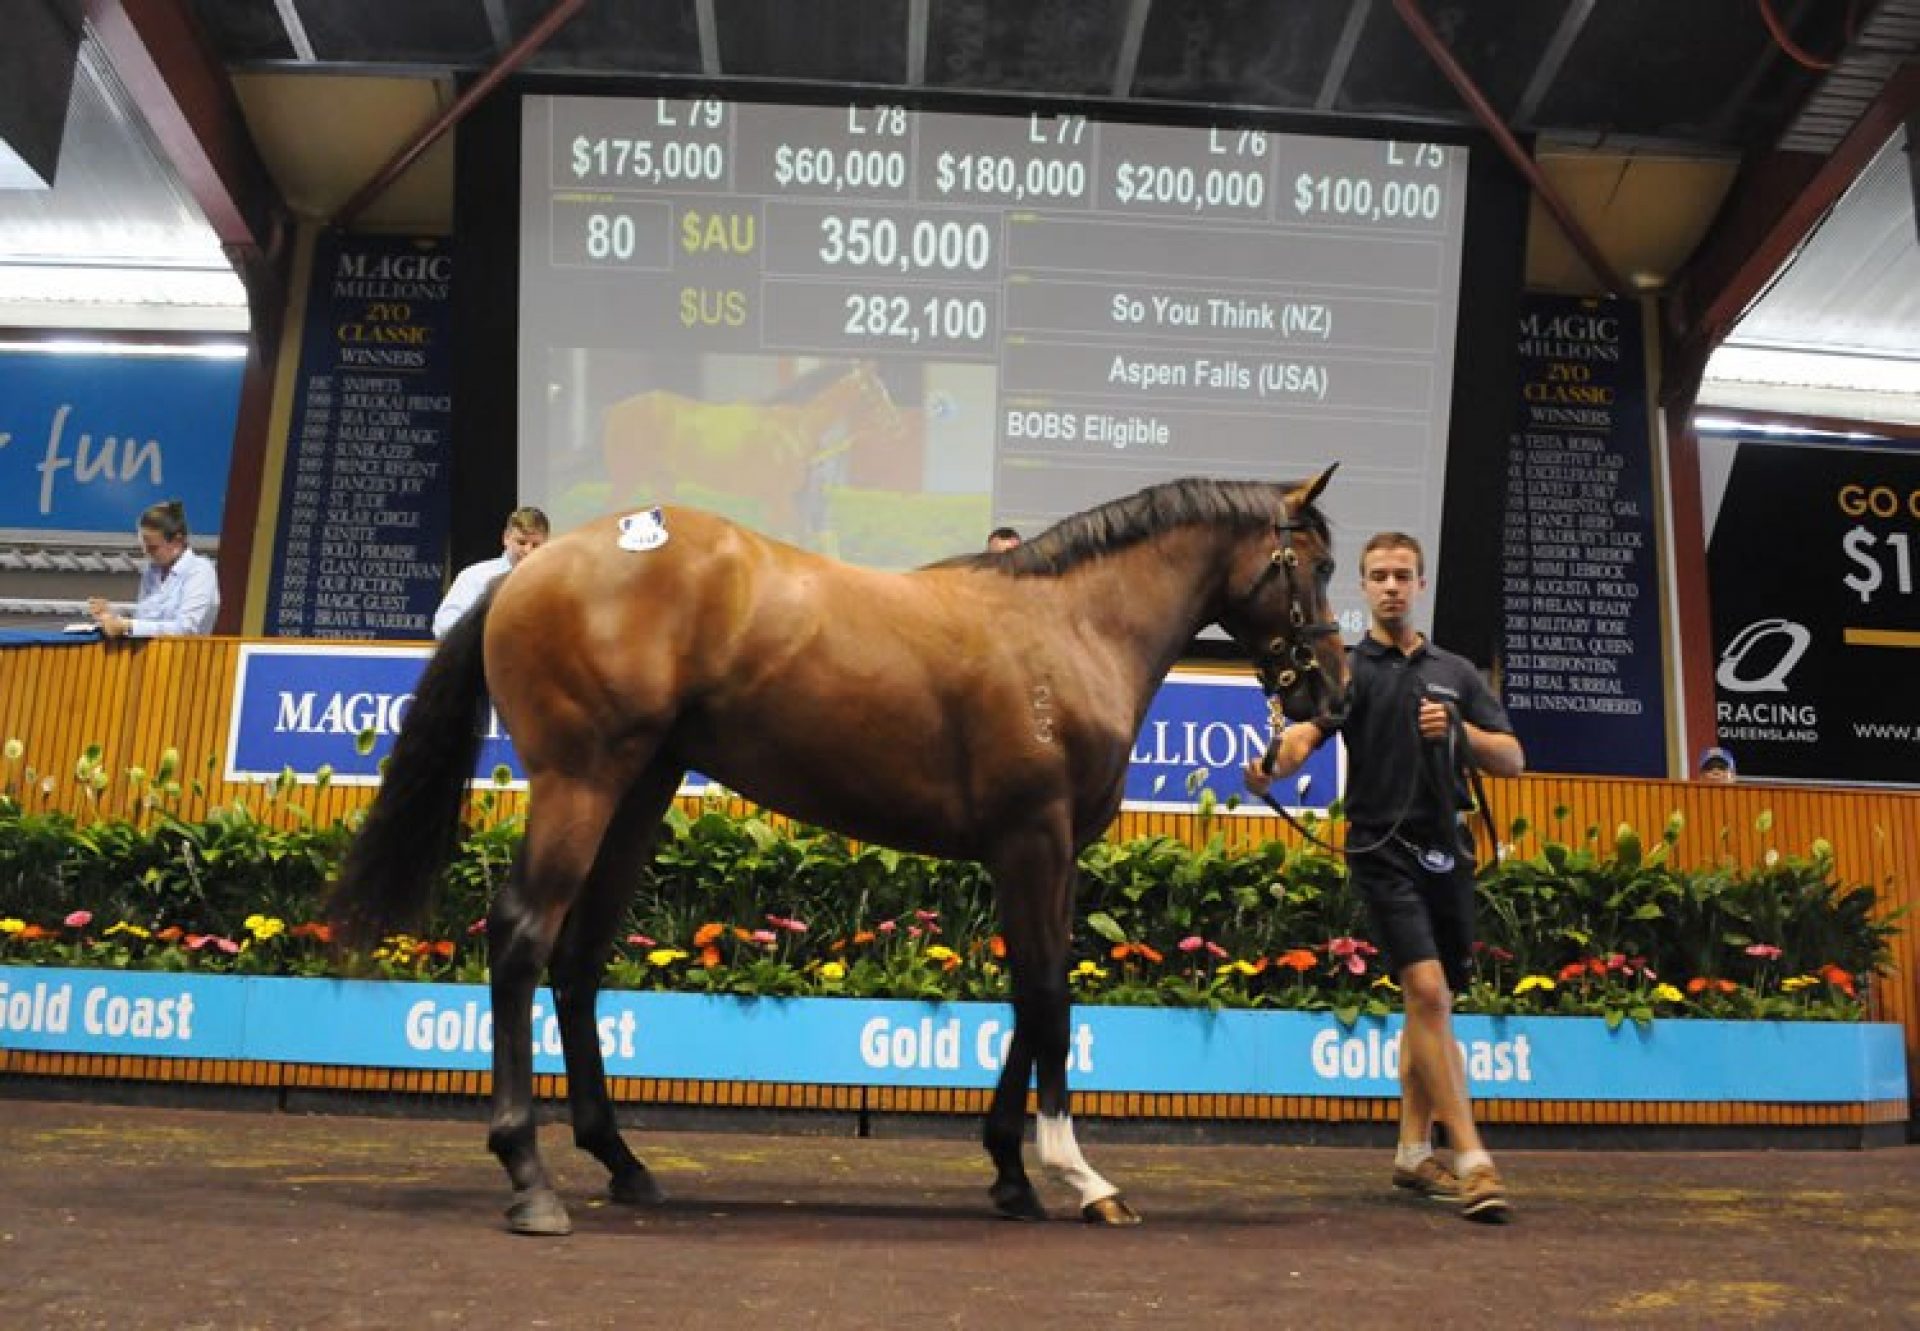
1037, 909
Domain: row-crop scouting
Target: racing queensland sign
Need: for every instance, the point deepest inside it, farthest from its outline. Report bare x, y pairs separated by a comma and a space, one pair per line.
305, 707
872, 1042
1811, 560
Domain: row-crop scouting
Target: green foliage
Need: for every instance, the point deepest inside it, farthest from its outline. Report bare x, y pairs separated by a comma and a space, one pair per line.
1594, 924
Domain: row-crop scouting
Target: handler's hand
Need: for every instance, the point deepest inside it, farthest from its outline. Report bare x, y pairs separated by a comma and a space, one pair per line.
1256, 777
1434, 720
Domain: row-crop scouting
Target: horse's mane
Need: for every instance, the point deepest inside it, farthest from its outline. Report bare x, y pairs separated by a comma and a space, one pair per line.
1124, 522
809, 385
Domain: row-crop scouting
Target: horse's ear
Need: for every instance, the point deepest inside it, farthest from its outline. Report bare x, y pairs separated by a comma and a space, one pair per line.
1311, 491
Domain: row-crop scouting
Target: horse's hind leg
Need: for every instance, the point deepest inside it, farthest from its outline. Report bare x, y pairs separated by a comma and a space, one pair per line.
579, 963
563, 835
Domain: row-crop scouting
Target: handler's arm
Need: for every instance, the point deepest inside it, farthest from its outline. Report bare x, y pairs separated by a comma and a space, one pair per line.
1495, 751
1297, 743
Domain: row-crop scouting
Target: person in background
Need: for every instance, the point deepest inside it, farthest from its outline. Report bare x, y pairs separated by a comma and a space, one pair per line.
1414, 713
1716, 764
179, 590
1002, 538
527, 530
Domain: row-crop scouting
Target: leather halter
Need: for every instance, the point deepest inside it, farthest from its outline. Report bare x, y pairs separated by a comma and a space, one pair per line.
1286, 658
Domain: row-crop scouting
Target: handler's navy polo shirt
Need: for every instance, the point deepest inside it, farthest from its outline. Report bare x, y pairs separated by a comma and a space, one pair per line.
1382, 729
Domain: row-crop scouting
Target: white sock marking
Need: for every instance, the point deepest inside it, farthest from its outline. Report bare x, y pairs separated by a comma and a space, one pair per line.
1060, 1156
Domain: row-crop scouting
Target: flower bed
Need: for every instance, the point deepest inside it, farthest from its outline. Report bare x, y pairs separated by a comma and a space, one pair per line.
1573, 921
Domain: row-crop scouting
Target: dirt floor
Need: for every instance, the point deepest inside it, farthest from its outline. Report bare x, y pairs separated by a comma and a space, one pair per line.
119, 1217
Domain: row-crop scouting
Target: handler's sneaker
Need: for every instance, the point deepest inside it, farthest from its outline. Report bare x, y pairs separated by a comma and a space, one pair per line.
1429, 1178
1483, 1197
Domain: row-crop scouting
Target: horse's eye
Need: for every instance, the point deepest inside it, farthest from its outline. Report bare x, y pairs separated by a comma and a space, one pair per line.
1324, 569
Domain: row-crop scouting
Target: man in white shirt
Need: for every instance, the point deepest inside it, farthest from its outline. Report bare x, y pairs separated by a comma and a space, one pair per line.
527, 530
179, 590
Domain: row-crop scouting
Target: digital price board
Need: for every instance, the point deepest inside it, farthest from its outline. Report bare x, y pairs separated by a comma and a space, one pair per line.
878, 331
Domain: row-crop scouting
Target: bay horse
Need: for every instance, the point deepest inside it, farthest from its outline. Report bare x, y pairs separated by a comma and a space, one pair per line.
982, 709
772, 453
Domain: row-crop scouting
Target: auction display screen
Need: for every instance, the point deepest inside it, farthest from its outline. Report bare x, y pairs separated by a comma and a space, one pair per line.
880, 332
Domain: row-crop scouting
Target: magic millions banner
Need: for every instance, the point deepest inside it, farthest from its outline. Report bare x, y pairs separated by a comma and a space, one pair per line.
1816, 617
1580, 648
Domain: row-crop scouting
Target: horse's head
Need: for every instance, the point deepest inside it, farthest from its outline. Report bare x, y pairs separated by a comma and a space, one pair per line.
1281, 614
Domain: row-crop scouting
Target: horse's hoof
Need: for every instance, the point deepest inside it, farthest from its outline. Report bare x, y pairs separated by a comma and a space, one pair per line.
1109, 1211
1017, 1201
636, 1187
539, 1213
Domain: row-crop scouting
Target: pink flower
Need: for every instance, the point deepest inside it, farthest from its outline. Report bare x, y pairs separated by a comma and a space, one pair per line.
764, 937
926, 916
1215, 950
885, 927
479, 926
1765, 951
792, 926
1192, 943
226, 945
640, 940
197, 941
80, 919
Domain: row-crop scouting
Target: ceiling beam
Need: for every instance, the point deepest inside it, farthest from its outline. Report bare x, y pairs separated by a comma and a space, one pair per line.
511, 59
1127, 63
1577, 235
1559, 47
160, 55
1775, 205
1343, 54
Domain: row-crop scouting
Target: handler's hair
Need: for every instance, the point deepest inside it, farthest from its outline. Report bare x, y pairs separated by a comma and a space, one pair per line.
1395, 540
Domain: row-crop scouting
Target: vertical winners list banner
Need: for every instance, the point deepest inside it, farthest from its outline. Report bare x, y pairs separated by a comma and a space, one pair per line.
1579, 577
1816, 618
363, 503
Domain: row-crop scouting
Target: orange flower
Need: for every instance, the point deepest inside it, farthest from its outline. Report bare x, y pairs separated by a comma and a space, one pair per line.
998, 946
709, 956
704, 936
171, 934
1573, 970
744, 935
33, 931
319, 933
1700, 983
1297, 959
1839, 979
862, 938
1121, 951
442, 949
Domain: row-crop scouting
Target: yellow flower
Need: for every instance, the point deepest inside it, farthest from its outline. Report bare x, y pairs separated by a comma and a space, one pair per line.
665, 956
1533, 982
123, 927
1795, 983
941, 952
11, 926
264, 927
1238, 968
1088, 970
1666, 993
833, 972
1386, 982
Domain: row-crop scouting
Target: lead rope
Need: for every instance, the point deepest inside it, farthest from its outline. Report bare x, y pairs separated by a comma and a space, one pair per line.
1276, 722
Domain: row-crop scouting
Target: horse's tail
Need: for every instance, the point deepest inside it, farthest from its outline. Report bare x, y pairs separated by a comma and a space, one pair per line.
387, 882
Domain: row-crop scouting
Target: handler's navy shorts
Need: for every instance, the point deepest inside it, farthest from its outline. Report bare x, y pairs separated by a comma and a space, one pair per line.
1417, 915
